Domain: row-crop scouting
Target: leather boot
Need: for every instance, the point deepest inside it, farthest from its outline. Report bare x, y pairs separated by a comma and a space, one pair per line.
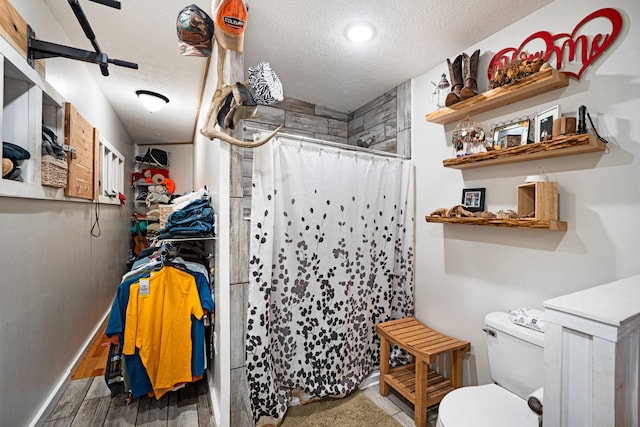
470, 88
455, 74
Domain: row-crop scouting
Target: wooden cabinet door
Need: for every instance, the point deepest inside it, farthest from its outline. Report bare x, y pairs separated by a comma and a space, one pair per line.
80, 135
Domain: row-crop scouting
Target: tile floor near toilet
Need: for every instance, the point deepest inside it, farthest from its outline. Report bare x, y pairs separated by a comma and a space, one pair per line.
397, 406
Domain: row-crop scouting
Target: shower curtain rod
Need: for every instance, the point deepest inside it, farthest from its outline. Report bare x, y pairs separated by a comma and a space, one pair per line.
333, 144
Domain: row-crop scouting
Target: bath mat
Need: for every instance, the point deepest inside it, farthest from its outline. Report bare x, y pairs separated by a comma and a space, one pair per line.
355, 410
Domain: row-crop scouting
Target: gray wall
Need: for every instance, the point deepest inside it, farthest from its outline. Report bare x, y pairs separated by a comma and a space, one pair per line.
56, 280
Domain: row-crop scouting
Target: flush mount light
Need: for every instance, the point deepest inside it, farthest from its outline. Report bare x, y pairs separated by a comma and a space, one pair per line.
360, 32
152, 101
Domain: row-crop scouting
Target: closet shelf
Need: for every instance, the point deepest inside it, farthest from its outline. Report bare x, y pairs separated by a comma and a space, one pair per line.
561, 146
497, 222
536, 84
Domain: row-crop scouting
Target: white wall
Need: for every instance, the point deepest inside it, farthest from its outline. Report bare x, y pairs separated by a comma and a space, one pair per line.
57, 281
464, 272
180, 164
211, 167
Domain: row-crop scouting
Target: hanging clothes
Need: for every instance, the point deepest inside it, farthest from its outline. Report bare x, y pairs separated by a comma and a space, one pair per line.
159, 326
194, 278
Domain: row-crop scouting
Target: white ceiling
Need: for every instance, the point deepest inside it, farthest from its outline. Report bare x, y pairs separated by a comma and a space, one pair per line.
302, 40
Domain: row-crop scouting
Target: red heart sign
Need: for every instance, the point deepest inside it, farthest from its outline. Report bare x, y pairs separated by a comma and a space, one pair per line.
575, 45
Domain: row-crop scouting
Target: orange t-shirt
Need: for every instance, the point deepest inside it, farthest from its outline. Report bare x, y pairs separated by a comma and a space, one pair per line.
159, 325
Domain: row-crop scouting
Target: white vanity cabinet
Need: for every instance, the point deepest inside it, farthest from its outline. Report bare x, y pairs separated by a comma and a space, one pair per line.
592, 356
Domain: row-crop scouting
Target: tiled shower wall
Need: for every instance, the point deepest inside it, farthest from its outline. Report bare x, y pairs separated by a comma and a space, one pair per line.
385, 122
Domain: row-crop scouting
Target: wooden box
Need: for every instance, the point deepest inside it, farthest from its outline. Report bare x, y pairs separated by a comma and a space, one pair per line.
538, 200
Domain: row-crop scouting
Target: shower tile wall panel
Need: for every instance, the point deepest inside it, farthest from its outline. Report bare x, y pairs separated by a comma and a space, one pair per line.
267, 115
240, 242
337, 128
382, 114
404, 106
331, 114
306, 122
388, 145
237, 163
403, 142
238, 328
292, 104
387, 118
240, 410
241, 415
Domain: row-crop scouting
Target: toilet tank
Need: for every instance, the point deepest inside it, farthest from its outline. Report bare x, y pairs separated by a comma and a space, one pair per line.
516, 354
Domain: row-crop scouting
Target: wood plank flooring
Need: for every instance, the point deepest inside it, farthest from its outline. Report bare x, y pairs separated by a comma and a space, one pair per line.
94, 362
87, 402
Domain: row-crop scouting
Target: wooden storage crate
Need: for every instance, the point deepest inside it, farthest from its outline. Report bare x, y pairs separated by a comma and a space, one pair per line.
538, 200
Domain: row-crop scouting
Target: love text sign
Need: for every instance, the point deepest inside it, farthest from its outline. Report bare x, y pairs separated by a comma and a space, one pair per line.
573, 52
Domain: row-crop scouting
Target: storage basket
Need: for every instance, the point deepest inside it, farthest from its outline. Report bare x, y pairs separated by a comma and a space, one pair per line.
165, 210
54, 172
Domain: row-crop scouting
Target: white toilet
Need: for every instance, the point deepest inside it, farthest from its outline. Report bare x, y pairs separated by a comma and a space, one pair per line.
516, 362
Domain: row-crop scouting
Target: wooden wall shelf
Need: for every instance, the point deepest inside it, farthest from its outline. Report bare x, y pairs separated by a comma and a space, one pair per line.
536, 84
496, 222
561, 146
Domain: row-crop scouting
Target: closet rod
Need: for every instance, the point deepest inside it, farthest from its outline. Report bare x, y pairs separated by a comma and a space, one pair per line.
333, 144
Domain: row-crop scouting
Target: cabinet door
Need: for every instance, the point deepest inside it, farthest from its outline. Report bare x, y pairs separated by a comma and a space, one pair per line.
80, 135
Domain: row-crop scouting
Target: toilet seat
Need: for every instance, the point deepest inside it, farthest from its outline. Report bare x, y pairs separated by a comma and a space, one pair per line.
484, 406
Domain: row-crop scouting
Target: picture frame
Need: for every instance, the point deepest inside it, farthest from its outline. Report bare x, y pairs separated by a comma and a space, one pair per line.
544, 123
512, 134
473, 199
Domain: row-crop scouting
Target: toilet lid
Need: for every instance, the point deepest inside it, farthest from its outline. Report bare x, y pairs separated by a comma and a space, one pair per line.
485, 406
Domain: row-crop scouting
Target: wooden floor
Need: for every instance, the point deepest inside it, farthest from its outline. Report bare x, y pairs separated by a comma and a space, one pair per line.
87, 403
95, 360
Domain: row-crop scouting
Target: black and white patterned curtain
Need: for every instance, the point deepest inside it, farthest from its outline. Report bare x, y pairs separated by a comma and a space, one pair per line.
332, 250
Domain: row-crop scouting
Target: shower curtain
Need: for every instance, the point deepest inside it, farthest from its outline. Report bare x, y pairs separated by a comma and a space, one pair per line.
332, 236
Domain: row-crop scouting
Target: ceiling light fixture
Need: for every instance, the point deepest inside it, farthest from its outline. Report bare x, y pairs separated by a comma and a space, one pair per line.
360, 32
152, 101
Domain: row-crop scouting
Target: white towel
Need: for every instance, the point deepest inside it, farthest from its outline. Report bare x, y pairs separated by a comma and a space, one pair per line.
533, 319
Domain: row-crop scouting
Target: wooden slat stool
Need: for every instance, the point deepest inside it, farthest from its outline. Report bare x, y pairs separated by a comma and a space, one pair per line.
423, 387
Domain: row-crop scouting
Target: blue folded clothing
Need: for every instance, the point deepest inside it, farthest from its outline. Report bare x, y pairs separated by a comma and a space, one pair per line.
14, 152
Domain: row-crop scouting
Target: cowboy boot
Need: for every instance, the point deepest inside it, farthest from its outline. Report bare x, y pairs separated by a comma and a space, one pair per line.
455, 74
470, 88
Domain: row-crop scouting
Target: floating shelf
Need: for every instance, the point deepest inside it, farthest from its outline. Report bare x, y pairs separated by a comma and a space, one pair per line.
536, 84
497, 222
561, 146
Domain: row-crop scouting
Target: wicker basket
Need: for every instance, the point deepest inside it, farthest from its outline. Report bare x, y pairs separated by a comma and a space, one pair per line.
54, 172
165, 210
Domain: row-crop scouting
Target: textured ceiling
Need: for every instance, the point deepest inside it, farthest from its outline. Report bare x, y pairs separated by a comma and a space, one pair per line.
302, 40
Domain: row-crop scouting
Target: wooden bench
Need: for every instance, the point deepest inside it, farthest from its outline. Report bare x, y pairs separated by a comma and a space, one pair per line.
421, 386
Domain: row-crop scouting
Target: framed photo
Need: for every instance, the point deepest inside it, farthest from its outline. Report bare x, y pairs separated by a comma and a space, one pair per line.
544, 123
473, 199
512, 134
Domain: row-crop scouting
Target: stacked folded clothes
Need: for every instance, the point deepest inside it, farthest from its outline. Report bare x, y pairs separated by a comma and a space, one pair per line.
192, 216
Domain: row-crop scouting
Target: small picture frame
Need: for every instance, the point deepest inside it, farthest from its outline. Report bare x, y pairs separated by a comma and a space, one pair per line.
511, 135
473, 199
544, 123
